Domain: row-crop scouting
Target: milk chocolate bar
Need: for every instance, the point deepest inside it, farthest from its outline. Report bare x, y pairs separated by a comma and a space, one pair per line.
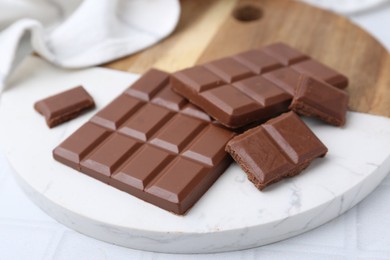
251, 86
64, 106
151, 143
282, 147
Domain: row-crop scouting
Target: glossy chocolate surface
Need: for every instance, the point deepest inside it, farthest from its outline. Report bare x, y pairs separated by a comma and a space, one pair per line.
320, 71
64, 106
282, 147
151, 143
251, 86
317, 98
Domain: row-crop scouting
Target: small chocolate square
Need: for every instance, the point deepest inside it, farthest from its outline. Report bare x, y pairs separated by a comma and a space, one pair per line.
285, 78
229, 69
316, 98
258, 61
282, 147
64, 106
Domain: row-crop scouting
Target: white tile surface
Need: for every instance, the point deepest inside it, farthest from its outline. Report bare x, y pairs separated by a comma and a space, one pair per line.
16, 208
74, 246
376, 21
27, 240
370, 235
362, 233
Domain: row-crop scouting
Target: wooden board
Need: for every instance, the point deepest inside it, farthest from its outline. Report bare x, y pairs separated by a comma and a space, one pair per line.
210, 29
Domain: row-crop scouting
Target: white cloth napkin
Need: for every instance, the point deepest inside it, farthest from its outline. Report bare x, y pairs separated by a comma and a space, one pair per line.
76, 33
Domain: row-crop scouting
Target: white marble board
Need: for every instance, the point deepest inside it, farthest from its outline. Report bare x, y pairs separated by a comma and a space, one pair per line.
232, 215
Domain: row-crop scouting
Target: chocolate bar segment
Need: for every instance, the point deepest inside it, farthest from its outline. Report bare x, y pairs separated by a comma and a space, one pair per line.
284, 53
177, 133
167, 98
106, 158
198, 79
191, 110
282, 147
263, 91
322, 72
229, 69
79, 144
117, 112
186, 174
148, 85
144, 167
64, 106
285, 78
151, 143
294, 138
316, 98
258, 61
147, 121
228, 104
232, 104
252, 86
269, 163
200, 149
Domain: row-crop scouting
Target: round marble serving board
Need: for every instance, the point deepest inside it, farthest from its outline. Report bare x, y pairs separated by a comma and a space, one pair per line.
232, 215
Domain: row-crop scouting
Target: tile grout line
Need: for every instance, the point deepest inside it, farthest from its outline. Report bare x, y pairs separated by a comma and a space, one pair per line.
4, 179
5, 170
351, 245
310, 249
54, 245
30, 223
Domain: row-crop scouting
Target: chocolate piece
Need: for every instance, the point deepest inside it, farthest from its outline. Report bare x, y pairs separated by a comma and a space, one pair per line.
318, 99
64, 106
229, 70
232, 91
284, 53
84, 140
199, 79
258, 61
322, 72
285, 78
234, 105
282, 147
151, 143
263, 91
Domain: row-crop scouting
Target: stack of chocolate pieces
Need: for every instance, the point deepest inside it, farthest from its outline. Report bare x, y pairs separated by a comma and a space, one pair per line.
154, 144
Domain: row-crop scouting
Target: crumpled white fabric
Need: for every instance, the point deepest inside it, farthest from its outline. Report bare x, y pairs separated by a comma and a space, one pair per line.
76, 33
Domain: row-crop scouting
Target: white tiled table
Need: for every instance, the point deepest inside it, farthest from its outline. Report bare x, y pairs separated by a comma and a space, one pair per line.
363, 232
